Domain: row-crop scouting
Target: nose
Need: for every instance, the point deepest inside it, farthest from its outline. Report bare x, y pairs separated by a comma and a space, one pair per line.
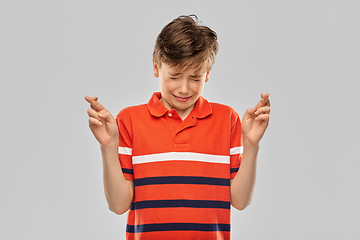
184, 87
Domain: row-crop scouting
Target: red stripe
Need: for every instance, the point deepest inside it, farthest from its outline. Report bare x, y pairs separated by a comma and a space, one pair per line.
166, 215
178, 235
178, 191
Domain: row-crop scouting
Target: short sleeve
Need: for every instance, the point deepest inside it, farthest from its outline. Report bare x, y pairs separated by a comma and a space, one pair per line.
125, 146
236, 145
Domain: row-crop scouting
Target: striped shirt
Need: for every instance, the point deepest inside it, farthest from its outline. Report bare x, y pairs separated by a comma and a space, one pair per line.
181, 169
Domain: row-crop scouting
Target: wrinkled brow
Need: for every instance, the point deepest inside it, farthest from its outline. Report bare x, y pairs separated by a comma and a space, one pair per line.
196, 75
174, 73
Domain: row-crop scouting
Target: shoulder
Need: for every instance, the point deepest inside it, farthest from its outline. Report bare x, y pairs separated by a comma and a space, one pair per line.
221, 112
131, 111
220, 109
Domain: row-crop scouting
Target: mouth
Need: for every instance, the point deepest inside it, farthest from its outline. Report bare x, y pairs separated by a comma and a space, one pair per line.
181, 99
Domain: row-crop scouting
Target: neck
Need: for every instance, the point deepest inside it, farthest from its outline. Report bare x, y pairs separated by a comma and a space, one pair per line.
182, 113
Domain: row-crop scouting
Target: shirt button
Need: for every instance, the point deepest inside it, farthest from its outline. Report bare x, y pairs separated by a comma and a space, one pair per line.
169, 114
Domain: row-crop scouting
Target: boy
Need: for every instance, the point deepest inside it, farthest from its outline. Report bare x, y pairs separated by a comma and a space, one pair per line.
175, 161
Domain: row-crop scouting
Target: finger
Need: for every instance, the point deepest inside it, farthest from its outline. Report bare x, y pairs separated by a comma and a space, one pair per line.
93, 121
94, 104
263, 117
268, 100
106, 117
249, 113
87, 98
95, 99
263, 110
264, 100
92, 113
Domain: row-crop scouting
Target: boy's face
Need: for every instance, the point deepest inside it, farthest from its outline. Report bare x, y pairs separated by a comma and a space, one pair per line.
180, 89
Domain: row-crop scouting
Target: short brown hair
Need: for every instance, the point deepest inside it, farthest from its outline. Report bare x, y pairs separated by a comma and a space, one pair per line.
183, 43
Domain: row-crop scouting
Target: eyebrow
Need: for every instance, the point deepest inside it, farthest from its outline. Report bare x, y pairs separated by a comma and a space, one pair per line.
193, 76
196, 75
174, 74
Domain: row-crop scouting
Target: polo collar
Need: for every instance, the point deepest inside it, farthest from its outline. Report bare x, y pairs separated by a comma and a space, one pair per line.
155, 106
201, 110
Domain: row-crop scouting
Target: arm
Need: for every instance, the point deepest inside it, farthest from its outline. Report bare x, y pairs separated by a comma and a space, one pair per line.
254, 124
242, 185
119, 192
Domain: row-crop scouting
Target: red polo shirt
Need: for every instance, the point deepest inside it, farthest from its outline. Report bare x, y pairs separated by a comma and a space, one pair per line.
181, 169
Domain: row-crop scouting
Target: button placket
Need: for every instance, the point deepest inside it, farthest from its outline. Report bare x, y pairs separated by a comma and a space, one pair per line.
173, 120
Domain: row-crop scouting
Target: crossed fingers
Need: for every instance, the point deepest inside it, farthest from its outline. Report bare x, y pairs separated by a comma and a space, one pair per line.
262, 109
94, 104
94, 111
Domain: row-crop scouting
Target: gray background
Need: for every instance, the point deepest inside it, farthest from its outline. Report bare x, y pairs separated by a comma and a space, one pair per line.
54, 53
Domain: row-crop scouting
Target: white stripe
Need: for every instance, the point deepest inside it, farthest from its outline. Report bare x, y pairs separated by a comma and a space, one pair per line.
236, 150
125, 150
181, 156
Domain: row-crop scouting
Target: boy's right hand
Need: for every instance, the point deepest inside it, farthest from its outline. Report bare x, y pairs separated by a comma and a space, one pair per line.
102, 124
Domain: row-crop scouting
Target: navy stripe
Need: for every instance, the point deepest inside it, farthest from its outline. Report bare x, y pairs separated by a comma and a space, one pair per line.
177, 227
180, 203
182, 180
127, 170
234, 170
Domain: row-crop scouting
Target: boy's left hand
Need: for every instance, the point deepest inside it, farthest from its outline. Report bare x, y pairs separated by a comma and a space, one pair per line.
255, 121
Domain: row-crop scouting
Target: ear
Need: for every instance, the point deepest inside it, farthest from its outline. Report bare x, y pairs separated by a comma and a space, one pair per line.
155, 68
207, 76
